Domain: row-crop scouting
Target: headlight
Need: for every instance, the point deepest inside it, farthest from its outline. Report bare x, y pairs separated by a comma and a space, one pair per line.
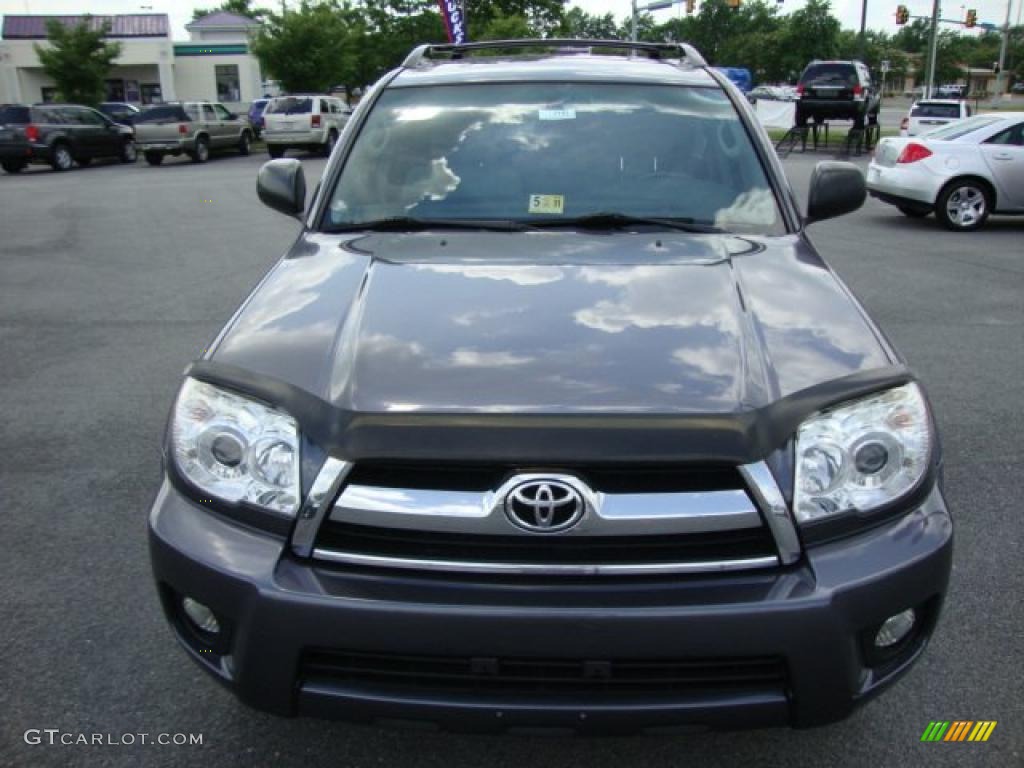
236, 449
861, 455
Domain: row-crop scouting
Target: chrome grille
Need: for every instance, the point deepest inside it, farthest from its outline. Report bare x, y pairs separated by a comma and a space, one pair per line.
649, 520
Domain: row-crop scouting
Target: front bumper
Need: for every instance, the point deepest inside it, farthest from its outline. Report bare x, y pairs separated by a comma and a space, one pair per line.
811, 616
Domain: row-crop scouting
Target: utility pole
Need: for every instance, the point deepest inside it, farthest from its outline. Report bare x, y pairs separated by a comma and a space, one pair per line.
862, 43
932, 55
654, 5
1001, 77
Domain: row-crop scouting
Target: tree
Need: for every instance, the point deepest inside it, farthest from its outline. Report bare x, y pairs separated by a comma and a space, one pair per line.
811, 33
239, 7
78, 59
579, 24
312, 48
502, 27
543, 16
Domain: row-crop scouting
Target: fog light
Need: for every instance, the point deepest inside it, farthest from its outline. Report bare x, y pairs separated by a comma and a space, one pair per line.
895, 628
201, 616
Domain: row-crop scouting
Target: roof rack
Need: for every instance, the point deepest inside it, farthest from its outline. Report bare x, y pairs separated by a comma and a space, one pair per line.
683, 51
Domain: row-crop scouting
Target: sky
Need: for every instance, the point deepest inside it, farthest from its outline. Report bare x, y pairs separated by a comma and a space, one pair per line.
880, 12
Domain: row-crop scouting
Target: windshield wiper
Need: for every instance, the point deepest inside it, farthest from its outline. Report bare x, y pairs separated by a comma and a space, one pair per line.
414, 224
611, 220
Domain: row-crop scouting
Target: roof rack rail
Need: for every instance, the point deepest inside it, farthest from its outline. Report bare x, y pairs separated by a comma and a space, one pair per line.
683, 51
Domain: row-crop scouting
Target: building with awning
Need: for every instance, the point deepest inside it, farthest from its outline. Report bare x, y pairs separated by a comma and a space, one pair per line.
215, 64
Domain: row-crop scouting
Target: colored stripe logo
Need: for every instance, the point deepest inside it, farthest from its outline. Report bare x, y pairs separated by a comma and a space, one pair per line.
958, 730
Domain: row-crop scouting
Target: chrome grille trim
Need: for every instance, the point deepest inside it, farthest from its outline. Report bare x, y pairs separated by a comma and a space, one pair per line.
606, 514
314, 508
545, 569
761, 481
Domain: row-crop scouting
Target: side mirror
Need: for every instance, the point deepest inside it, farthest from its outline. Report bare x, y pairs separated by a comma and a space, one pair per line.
281, 185
836, 188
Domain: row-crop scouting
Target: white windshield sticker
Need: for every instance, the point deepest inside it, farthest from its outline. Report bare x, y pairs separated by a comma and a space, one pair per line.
557, 114
546, 204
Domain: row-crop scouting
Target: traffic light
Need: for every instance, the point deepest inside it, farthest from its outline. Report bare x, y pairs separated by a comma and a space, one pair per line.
902, 14
690, 7
972, 18
734, 3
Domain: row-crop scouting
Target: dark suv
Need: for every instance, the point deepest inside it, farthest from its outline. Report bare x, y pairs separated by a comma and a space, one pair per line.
837, 90
61, 135
552, 416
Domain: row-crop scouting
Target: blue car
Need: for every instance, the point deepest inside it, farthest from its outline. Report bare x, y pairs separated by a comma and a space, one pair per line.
256, 116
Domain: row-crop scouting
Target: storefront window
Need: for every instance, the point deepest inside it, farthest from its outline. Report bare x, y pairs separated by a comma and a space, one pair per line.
115, 90
228, 84
151, 93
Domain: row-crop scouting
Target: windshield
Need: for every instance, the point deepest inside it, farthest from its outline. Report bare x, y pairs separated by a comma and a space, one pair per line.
13, 114
290, 105
532, 152
161, 114
961, 128
925, 109
842, 74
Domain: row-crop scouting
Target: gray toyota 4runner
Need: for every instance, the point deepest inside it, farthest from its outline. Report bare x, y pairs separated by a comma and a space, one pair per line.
553, 416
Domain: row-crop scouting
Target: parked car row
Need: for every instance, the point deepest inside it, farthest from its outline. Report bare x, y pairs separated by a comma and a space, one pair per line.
772, 93
65, 134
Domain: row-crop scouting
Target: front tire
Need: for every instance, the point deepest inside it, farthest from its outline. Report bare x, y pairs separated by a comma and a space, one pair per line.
963, 205
244, 143
61, 159
275, 150
154, 158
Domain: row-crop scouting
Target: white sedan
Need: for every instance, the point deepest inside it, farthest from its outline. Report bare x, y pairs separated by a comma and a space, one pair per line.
963, 171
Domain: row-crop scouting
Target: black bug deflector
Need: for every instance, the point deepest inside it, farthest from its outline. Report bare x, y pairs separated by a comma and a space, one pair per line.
727, 438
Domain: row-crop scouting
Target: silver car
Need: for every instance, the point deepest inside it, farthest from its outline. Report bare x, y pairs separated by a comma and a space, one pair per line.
962, 172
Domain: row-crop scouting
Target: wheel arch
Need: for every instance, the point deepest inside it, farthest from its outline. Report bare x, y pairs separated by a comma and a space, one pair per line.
988, 185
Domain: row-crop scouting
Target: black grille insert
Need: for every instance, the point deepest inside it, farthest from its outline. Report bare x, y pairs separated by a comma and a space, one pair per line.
526, 675
611, 479
739, 544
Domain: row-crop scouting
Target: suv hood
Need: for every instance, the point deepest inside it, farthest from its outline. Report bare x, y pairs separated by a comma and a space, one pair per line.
551, 322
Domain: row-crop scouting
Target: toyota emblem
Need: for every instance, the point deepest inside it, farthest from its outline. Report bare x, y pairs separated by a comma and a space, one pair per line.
544, 506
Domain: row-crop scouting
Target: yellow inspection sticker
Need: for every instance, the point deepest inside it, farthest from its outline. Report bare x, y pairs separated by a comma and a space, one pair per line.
546, 204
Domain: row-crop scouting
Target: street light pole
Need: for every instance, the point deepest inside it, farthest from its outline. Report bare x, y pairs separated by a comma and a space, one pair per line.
1001, 77
863, 28
632, 34
932, 55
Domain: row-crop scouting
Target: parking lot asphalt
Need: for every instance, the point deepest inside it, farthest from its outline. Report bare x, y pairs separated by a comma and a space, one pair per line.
113, 278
